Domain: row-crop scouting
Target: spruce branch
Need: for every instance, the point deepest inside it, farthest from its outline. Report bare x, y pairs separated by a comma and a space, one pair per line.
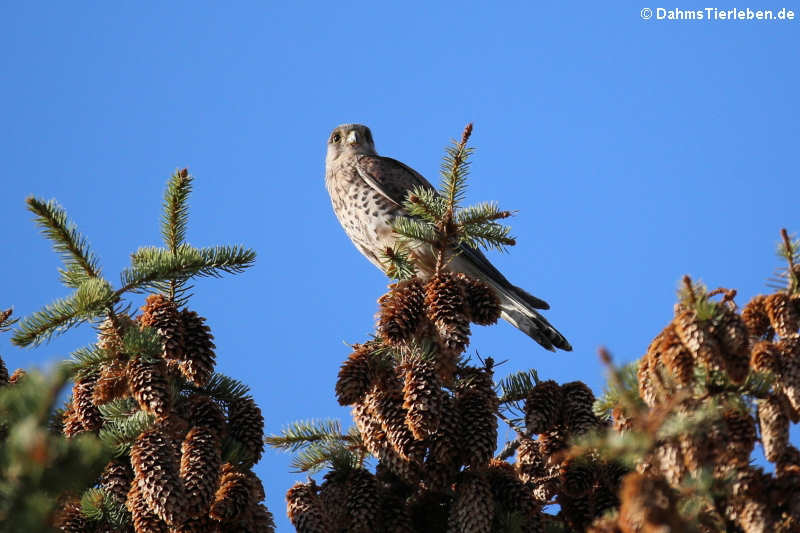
174, 220
68, 242
324, 454
151, 265
59, 316
300, 434
6, 322
426, 204
413, 231
397, 262
223, 388
119, 434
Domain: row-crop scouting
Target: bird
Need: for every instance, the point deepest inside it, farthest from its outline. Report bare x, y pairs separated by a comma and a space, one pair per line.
367, 192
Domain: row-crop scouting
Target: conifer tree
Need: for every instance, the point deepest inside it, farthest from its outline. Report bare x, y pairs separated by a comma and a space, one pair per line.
181, 440
667, 448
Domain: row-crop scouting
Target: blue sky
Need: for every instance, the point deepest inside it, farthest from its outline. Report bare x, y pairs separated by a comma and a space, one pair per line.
635, 152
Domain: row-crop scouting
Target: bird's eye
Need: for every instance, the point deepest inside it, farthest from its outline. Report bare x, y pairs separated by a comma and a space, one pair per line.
337, 137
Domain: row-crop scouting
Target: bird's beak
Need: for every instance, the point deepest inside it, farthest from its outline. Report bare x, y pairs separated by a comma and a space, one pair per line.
352, 137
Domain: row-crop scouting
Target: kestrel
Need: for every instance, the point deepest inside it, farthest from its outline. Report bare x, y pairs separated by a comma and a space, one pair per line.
367, 192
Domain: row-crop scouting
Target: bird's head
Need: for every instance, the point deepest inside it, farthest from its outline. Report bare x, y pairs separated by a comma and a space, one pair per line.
350, 139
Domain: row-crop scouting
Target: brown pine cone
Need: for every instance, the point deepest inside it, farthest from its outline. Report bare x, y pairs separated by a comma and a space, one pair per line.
109, 338
530, 464
362, 501
355, 375
385, 403
734, 339
754, 316
577, 477
543, 408
473, 508
476, 403
116, 479
70, 519
18, 375
578, 410
697, 338
401, 311
203, 411
144, 519
765, 357
647, 382
422, 396
396, 513
203, 524
88, 414
305, 509
509, 491
154, 462
789, 379
333, 496
162, 315
783, 315
678, 360
774, 427
482, 304
740, 435
71, 424
234, 495
246, 424
201, 457
198, 358
149, 386
444, 444
375, 441
112, 383
445, 306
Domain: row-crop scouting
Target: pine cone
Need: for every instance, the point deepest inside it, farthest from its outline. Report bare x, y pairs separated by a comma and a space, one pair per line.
88, 414
473, 508
482, 304
578, 513
774, 427
648, 504
144, 519
108, 338
510, 492
401, 311
155, 466
72, 425
543, 407
112, 383
201, 456
530, 464
70, 518
362, 501
444, 443
385, 403
678, 360
375, 441
648, 389
765, 357
789, 379
149, 386
203, 411
116, 479
422, 396
740, 435
197, 362
578, 410
782, 314
670, 458
162, 315
333, 496
695, 335
355, 375
246, 424
476, 402
754, 316
733, 336
445, 304
577, 477
305, 509
202, 524
234, 495
395, 512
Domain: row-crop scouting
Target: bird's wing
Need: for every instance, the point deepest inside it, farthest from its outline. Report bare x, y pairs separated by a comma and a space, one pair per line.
393, 180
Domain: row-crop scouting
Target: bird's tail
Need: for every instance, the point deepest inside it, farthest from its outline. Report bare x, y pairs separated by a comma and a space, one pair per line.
522, 316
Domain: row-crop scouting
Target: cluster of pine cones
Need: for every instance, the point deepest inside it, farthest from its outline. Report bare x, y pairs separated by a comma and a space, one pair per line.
704, 361
585, 487
431, 421
174, 479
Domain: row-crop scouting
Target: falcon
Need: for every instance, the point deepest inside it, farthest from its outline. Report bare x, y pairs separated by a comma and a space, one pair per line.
367, 192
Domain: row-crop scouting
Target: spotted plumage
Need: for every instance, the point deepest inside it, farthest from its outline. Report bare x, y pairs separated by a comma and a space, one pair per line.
367, 193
